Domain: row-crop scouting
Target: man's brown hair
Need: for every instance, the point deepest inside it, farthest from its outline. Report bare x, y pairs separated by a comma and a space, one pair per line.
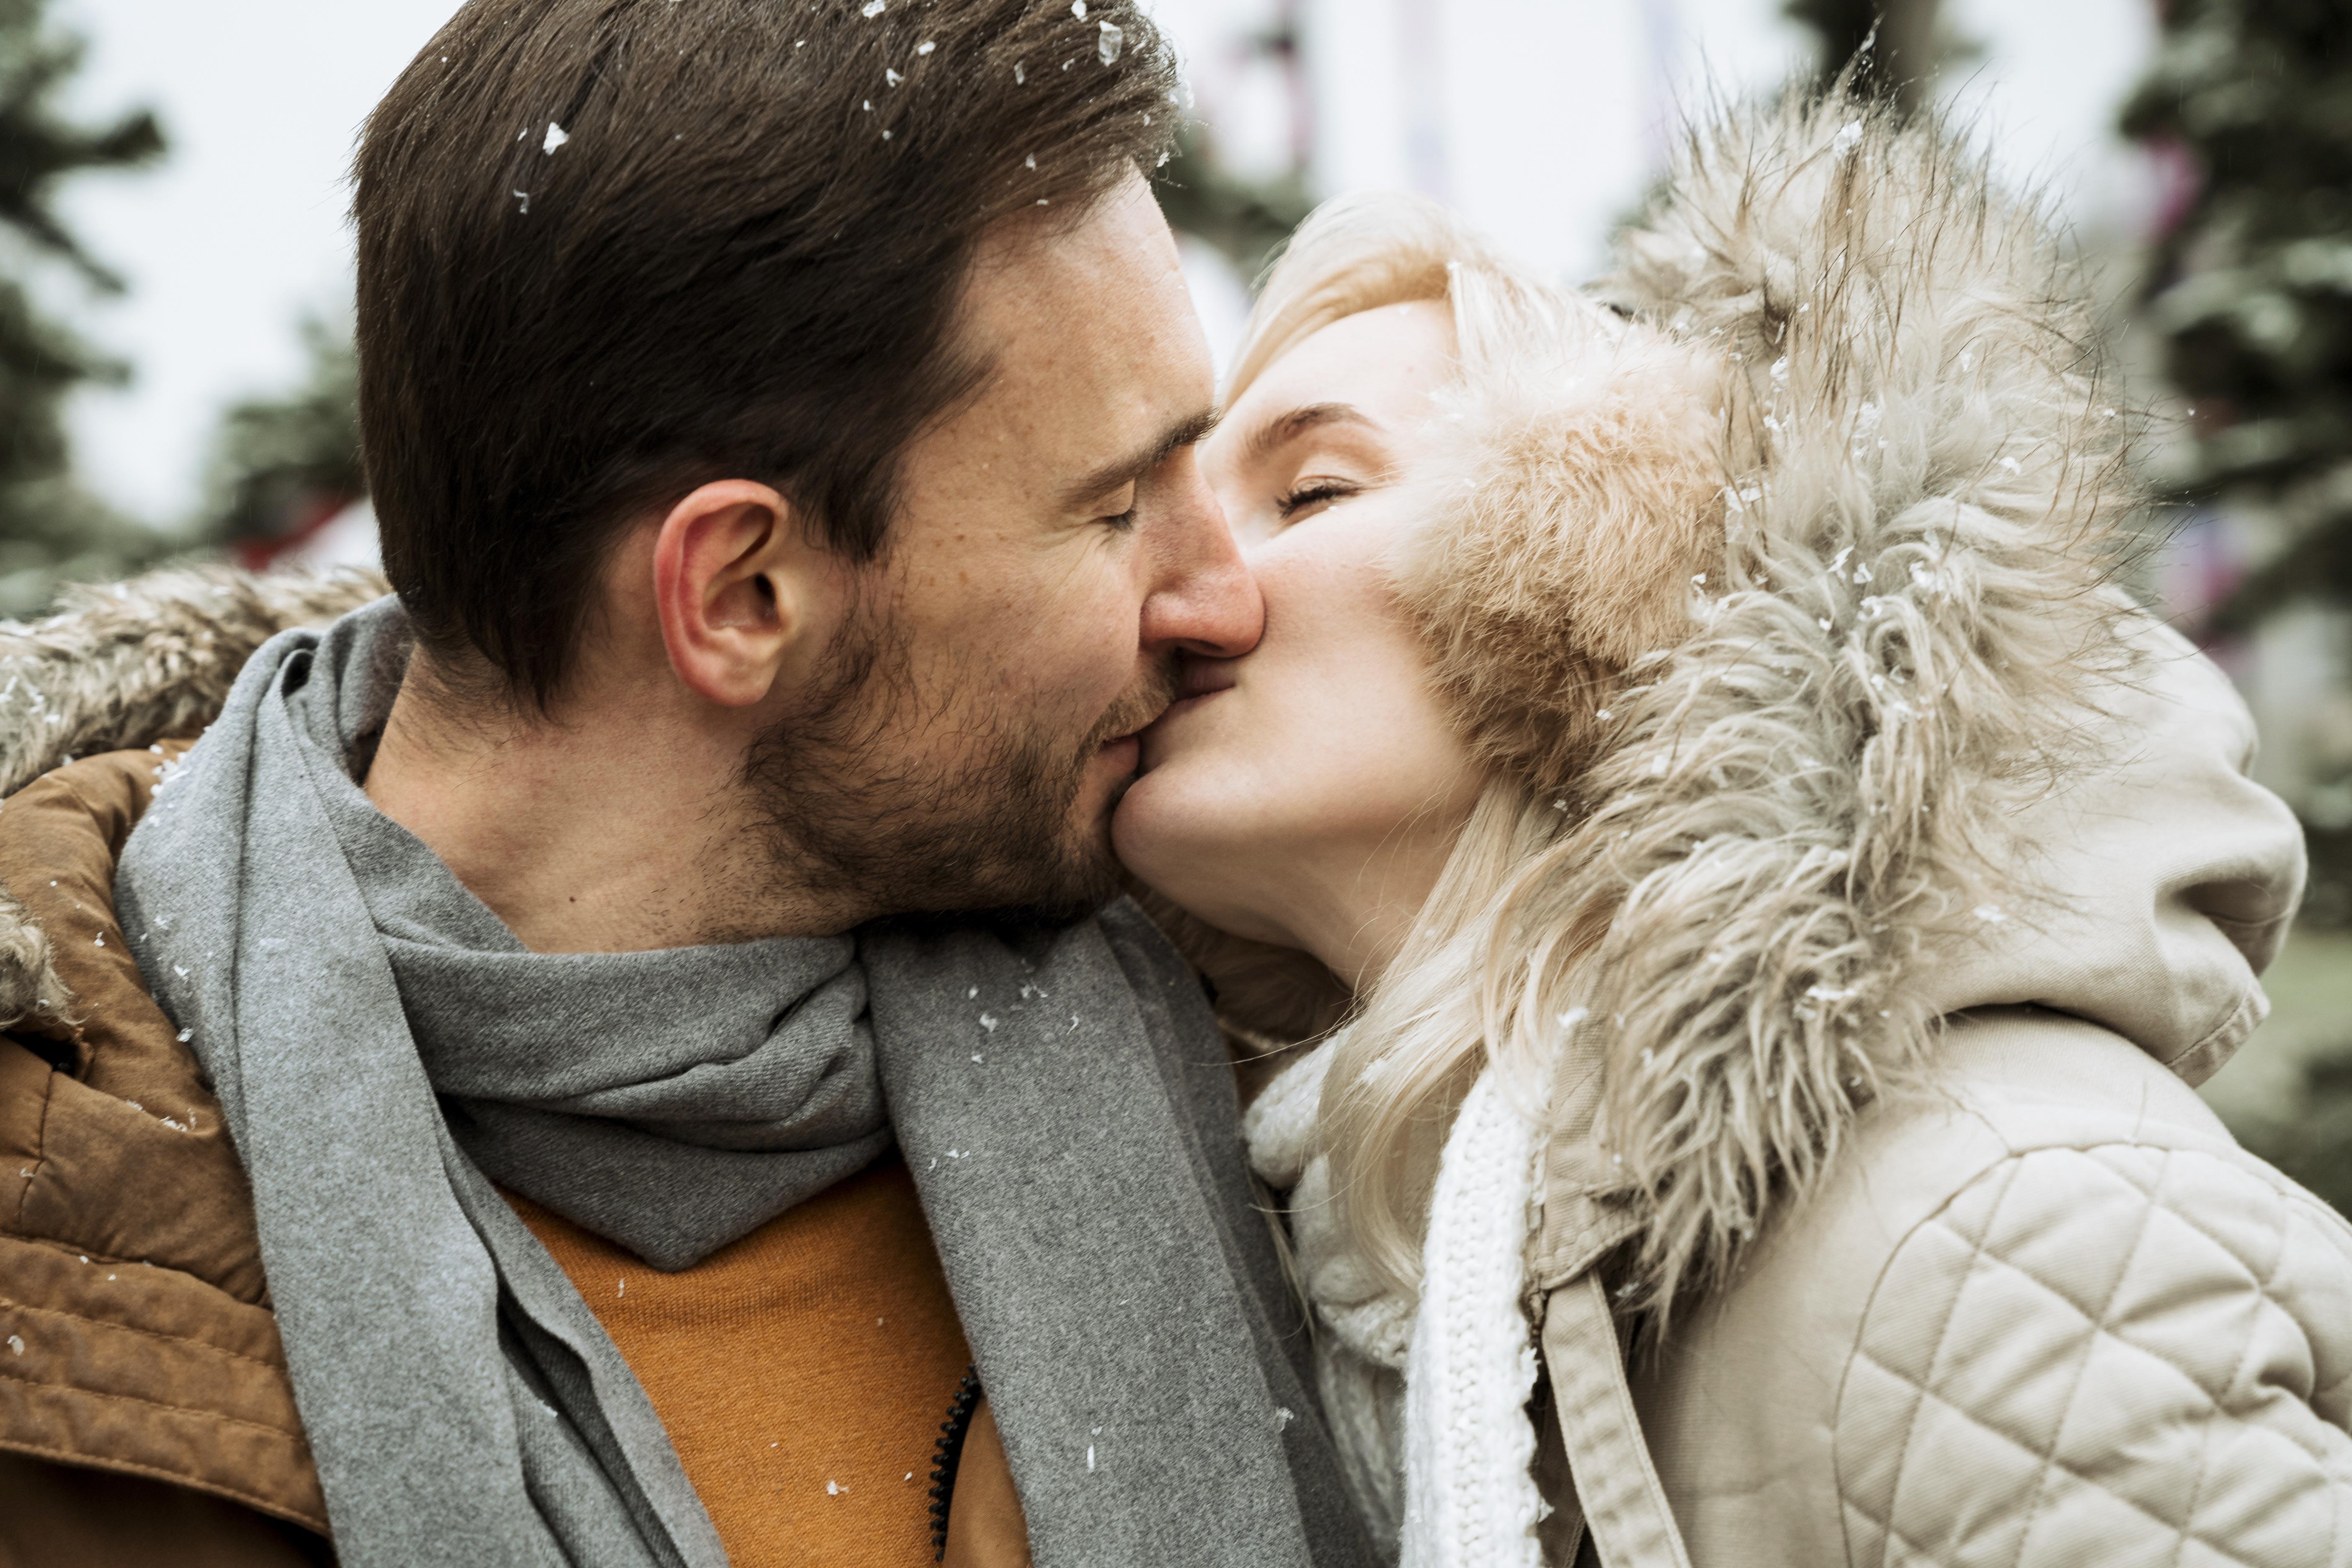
610, 250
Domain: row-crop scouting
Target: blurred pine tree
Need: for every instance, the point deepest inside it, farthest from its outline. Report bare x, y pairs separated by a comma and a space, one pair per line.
282, 465
1246, 219
1894, 46
2252, 286
2250, 289
51, 529
1243, 219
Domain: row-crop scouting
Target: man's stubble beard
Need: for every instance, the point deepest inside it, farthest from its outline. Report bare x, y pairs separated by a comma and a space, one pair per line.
992, 829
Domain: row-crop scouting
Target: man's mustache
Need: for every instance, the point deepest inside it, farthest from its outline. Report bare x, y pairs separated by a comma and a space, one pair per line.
1150, 697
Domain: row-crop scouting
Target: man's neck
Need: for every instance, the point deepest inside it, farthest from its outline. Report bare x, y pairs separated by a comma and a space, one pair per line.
620, 834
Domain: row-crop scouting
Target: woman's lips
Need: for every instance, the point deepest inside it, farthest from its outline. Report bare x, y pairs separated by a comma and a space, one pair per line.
1202, 679
1205, 676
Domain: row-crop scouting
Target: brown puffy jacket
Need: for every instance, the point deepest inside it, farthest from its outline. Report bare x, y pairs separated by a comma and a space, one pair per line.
145, 1413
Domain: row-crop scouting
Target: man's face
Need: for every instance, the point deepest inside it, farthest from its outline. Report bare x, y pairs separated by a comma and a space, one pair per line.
1056, 547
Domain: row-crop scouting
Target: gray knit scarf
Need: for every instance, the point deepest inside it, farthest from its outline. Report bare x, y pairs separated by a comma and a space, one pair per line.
386, 1050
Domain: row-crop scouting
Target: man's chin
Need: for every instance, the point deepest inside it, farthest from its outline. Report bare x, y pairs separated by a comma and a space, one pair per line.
1046, 890
1079, 888
1067, 881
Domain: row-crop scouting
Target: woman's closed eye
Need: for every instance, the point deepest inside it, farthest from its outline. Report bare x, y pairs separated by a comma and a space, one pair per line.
1294, 465
1311, 495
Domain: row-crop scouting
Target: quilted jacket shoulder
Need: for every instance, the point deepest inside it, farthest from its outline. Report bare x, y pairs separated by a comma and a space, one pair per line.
2131, 1351
2049, 1313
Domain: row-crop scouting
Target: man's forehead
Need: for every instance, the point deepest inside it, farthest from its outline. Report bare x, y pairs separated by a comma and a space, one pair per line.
1090, 316
1109, 280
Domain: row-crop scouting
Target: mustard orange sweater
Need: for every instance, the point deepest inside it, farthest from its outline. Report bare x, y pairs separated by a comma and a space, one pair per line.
802, 1372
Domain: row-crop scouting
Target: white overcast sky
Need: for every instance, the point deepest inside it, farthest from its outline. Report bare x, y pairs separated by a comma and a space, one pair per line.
1548, 108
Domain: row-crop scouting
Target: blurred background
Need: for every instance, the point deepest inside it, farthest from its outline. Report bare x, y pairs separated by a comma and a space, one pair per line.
175, 371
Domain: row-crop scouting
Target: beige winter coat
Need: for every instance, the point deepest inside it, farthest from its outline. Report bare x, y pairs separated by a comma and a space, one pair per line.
2044, 1311
2024, 1302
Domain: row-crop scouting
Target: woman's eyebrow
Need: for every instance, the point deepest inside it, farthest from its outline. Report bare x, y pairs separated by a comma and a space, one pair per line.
1287, 428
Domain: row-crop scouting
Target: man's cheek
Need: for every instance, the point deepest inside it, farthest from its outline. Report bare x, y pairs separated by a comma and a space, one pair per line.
1076, 661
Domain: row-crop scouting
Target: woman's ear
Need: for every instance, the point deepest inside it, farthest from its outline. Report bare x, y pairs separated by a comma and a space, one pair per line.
744, 595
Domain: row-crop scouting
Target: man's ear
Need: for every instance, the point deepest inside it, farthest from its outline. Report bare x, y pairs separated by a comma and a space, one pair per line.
744, 595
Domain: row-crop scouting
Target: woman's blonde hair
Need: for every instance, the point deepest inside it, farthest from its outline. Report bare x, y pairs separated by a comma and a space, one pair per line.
1572, 490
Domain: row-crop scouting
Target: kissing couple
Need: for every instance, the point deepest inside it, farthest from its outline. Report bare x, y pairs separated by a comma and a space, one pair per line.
1561, 926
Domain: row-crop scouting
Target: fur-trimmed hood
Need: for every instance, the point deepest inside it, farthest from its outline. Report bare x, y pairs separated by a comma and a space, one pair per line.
130, 664
1811, 817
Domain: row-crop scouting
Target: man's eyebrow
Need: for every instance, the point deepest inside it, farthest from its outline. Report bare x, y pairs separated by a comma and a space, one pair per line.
1289, 427
1120, 472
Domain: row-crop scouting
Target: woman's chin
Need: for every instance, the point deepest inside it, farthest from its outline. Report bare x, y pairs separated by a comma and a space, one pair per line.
1167, 833
1138, 827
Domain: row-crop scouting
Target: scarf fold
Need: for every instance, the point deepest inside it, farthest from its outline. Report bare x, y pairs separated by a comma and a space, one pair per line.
386, 1051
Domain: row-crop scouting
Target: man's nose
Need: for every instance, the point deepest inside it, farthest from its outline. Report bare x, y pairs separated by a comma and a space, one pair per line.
1203, 598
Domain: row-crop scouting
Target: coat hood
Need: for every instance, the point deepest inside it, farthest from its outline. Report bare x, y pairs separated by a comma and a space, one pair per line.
1906, 749
2156, 883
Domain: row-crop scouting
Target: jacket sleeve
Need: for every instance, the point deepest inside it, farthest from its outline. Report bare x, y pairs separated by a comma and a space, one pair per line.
2112, 1355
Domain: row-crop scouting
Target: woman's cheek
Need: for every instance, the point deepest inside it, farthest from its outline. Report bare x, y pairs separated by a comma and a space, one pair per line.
1389, 748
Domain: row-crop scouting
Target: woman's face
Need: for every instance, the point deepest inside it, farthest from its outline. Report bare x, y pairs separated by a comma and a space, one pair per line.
1307, 793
